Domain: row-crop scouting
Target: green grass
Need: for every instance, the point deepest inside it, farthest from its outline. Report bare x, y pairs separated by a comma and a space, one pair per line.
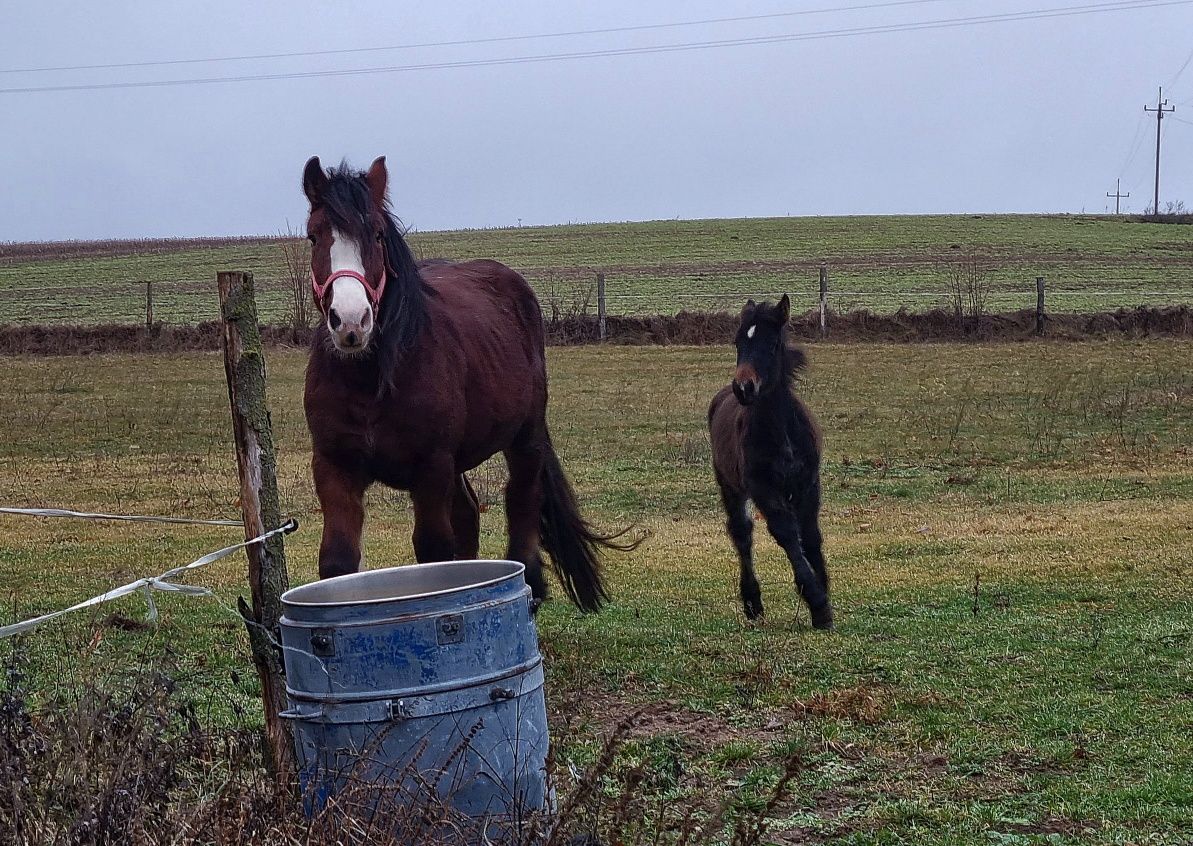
1009, 530
880, 263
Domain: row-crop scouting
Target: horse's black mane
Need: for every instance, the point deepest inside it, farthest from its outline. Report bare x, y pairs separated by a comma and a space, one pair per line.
795, 360
403, 309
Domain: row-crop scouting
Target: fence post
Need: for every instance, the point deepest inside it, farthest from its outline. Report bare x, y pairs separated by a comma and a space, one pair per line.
824, 299
601, 305
1039, 305
244, 366
148, 305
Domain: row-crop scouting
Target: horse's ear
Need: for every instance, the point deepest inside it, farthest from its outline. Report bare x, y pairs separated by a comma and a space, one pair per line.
314, 181
783, 309
748, 307
378, 179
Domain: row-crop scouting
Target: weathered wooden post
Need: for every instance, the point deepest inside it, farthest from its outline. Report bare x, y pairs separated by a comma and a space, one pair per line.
601, 305
1039, 305
824, 299
149, 305
244, 364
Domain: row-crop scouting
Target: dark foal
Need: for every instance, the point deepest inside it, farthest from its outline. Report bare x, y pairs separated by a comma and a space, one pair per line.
766, 449
419, 373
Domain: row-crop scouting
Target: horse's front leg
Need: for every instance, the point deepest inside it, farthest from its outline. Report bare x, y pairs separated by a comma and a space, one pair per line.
784, 528
341, 498
433, 495
466, 519
741, 530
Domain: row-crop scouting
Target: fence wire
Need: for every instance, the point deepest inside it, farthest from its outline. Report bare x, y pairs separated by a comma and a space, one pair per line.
667, 289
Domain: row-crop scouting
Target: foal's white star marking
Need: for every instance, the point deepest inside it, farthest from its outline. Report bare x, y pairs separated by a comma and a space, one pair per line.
750, 331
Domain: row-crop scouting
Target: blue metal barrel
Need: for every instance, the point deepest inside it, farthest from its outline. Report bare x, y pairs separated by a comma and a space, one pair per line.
424, 681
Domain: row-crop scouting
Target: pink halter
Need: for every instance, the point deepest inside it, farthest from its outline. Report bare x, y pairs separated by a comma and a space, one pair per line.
320, 291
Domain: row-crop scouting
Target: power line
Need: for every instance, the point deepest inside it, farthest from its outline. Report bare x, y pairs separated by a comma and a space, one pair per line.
946, 23
1179, 73
472, 41
1135, 144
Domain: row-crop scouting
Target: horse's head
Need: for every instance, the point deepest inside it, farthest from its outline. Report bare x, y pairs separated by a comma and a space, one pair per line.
347, 227
761, 349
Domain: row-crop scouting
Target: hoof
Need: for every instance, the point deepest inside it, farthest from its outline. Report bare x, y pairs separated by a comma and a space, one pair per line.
823, 619
754, 611
535, 605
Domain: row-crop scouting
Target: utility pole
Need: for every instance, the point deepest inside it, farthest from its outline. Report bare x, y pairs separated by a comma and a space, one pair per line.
1118, 194
1162, 108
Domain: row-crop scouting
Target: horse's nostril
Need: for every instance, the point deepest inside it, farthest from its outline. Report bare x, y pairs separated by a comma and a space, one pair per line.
334, 319
367, 321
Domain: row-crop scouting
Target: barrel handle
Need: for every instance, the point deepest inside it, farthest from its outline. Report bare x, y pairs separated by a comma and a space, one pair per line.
295, 714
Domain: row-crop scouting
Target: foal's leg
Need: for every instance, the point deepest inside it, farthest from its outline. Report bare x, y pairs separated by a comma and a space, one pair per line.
433, 493
784, 527
741, 529
341, 498
810, 537
466, 519
524, 512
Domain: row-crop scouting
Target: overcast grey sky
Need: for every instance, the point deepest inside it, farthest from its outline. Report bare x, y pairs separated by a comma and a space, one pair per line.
1027, 116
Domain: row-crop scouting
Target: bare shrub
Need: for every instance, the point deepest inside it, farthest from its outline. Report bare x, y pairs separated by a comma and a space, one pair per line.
967, 282
124, 759
296, 276
565, 305
1174, 211
99, 769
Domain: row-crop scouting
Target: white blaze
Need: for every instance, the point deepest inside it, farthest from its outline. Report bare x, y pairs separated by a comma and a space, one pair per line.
750, 331
349, 299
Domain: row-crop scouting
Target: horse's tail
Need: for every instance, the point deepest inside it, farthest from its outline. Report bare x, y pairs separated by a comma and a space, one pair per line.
571, 541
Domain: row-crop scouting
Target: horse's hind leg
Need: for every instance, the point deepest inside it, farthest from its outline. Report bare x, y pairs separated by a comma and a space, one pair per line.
466, 519
741, 530
784, 528
524, 511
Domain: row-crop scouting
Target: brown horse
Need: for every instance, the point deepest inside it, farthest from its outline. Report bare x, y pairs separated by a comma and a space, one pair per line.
419, 373
766, 449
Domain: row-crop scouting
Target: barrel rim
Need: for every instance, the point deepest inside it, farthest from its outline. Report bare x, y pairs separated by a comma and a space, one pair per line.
519, 570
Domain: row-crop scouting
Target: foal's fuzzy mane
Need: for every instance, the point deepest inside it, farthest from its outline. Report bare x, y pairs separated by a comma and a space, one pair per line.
795, 360
403, 309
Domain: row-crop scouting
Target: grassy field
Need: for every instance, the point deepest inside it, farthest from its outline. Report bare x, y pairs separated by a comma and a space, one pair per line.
879, 263
1009, 529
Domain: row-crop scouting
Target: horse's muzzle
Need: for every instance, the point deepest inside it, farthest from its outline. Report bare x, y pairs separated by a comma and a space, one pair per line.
746, 392
746, 384
350, 320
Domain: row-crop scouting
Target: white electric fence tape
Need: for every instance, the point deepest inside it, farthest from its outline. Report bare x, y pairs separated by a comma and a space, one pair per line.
62, 512
150, 583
